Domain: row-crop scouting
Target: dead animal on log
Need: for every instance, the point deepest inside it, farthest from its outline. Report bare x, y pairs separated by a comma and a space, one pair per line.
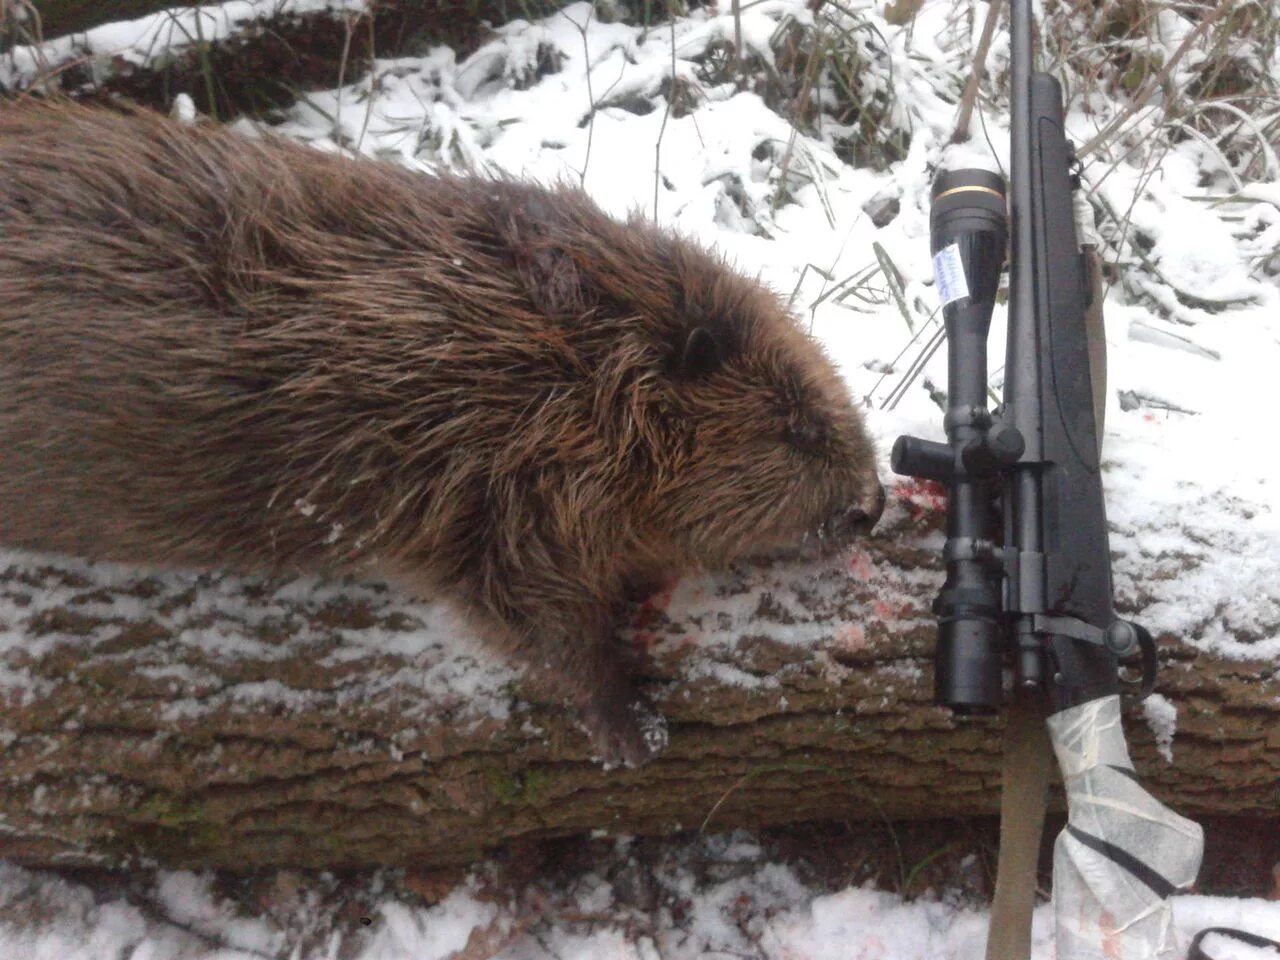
224, 352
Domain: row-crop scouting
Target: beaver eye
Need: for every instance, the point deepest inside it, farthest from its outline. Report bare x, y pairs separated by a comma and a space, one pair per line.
808, 436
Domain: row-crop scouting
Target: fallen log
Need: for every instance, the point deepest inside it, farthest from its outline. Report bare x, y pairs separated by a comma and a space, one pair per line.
230, 59
220, 721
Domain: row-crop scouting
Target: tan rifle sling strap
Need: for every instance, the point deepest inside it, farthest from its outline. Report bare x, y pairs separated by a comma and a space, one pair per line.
1025, 773
1027, 765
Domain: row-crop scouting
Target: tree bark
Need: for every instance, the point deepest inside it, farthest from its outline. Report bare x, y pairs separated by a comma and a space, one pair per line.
60, 17
221, 721
255, 66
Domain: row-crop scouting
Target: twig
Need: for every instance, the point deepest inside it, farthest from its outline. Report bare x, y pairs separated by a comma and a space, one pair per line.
917, 367
1212, 147
1269, 161
893, 278
591, 97
804, 271
1153, 83
986, 135
737, 36
198, 42
1148, 171
970, 96
338, 135
158, 915
1116, 162
806, 86
9, 10
373, 79
662, 131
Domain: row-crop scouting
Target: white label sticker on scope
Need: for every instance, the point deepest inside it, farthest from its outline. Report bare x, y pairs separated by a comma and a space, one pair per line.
948, 272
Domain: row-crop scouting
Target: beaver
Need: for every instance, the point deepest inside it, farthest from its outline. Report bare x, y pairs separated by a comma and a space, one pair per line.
220, 351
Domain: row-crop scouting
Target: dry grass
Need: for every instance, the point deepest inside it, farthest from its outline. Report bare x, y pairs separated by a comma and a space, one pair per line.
823, 82
1191, 69
20, 25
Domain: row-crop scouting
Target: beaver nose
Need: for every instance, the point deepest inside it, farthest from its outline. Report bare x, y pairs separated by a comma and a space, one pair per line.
858, 520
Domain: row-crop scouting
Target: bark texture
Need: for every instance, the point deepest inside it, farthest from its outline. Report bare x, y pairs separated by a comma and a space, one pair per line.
61, 17
252, 65
219, 721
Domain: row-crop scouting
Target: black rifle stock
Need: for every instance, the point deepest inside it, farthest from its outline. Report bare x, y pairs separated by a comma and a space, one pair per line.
1040, 594
1027, 557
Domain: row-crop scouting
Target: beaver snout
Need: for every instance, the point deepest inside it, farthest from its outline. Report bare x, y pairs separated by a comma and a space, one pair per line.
874, 506
847, 524
854, 521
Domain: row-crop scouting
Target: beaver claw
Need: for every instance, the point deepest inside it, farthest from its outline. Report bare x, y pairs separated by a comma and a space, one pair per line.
627, 733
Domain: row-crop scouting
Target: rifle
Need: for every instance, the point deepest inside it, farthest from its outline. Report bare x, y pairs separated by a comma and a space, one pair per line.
1028, 573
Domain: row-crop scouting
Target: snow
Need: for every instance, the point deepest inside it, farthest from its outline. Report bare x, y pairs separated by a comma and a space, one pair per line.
1162, 717
210, 619
1193, 331
439, 931
712, 898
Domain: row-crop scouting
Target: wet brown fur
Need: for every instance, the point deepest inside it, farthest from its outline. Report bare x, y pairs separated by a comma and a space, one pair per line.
220, 351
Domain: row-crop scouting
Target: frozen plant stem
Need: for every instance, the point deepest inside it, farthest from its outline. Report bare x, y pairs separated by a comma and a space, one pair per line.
666, 113
338, 135
967, 101
373, 81
591, 97
737, 36
1153, 83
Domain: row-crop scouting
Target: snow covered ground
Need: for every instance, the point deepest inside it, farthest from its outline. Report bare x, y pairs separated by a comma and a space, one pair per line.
1192, 487
716, 898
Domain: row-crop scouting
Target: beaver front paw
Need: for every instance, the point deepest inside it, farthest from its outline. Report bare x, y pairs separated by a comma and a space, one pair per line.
625, 732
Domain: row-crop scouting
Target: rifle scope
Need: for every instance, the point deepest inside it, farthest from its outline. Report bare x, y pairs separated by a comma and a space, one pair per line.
968, 233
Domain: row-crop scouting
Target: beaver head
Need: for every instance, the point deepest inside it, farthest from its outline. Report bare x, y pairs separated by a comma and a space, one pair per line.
738, 422
769, 456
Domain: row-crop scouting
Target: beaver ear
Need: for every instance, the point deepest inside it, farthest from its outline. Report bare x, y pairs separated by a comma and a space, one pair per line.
702, 354
547, 270
553, 282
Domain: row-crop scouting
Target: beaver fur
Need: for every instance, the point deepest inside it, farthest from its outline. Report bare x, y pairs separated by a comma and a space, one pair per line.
221, 351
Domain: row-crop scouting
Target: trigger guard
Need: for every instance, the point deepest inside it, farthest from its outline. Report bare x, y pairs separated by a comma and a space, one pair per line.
1146, 684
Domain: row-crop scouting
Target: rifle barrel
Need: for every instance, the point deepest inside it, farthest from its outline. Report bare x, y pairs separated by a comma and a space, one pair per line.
1022, 374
